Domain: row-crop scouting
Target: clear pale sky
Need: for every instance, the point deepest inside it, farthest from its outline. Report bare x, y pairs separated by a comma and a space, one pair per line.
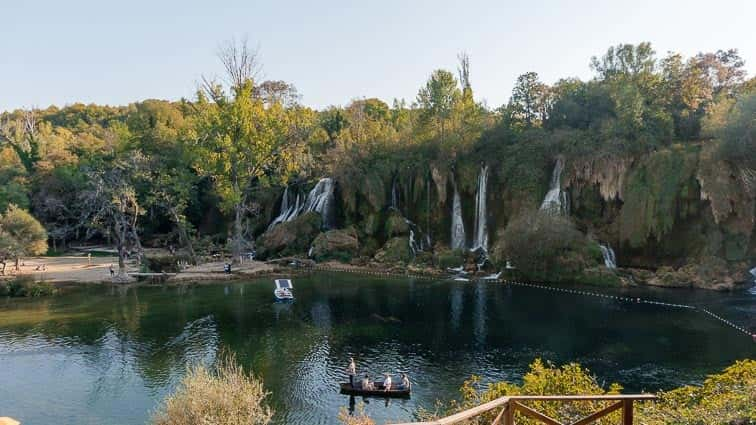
117, 52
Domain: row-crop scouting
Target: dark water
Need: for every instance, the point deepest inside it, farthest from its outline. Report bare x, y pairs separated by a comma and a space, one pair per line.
108, 355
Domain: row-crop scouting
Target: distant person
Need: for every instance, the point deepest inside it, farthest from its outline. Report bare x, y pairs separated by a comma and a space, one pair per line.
112, 271
387, 383
227, 268
89, 259
406, 382
351, 371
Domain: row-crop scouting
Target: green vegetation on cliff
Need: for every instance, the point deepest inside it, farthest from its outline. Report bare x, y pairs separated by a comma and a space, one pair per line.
658, 152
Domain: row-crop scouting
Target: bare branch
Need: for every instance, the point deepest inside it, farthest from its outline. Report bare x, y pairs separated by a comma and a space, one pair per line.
242, 63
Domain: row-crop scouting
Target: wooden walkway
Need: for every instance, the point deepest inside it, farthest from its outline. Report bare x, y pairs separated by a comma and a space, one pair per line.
518, 404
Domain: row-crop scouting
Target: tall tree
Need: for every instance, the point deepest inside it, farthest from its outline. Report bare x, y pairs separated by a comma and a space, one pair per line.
110, 204
529, 102
438, 98
239, 142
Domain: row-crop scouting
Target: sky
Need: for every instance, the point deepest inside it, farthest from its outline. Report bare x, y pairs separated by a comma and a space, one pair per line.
56, 52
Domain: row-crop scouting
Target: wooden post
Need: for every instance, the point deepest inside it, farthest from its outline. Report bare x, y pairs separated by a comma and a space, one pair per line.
627, 412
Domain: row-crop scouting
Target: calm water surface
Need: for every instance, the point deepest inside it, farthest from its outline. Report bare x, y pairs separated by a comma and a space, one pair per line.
107, 356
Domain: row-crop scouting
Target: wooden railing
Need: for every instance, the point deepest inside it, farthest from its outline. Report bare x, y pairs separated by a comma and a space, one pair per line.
511, 404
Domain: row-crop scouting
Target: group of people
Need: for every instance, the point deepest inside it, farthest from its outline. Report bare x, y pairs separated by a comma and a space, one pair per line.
367, 384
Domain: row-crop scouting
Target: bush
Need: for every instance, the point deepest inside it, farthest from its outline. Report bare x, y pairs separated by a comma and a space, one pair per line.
26, 287
226, 396
725, 398
545, 247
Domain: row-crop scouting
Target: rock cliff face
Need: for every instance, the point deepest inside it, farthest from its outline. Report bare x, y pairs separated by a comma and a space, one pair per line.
680, 214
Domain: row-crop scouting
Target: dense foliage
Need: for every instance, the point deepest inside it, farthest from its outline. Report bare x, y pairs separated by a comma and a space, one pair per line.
207, 173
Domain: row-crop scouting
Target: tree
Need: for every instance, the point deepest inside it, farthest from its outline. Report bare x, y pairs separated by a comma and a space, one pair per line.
276, 91
110, 205
438, 97
239, 141
529, 102
20, 234
333, 121
21, 135
625, 59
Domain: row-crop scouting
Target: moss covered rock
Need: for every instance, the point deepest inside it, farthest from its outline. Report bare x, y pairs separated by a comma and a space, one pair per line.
340, 244
395, 250
293, 237
396, 225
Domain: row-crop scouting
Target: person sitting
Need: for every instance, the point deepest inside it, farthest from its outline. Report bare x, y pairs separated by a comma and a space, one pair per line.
406, 382
387, 383
366, 384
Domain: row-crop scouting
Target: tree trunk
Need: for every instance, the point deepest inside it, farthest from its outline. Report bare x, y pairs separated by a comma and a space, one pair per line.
2, 272
121, 261
183, 235
17, 267
237, 242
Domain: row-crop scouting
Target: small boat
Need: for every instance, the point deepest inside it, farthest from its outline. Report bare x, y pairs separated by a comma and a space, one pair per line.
283, 290
397, 391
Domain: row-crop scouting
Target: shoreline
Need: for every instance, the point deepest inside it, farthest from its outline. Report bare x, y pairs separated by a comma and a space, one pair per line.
76, 270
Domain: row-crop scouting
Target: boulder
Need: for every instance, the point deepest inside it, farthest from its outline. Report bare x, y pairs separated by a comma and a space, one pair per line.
395, 250
8, 421
289, 238
706, 273
340, 244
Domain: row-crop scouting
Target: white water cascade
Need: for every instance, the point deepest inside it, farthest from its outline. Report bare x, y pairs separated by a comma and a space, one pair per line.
555, 201
610, 260
288, 211
458, 226
320, 200
481, 227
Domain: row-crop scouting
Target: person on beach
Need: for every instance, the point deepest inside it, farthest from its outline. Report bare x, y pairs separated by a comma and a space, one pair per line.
112, 271
89, 259
387, 383
351, 371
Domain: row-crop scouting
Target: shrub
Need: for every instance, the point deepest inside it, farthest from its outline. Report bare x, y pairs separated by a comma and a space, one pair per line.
545, 247
224, 396
26, 287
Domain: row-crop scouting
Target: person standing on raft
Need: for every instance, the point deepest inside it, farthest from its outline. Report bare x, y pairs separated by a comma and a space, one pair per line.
351, 371
387, 383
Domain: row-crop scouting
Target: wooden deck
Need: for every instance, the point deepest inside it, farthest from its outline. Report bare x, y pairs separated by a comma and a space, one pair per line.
518, 404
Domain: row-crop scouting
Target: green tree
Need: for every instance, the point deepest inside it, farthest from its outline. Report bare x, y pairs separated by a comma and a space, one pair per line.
21, 134
529, 103
20, 235
438, 98
239, 141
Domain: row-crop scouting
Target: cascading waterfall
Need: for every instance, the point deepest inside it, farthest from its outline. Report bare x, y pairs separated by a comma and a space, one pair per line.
753, 272
480, 240
458, 226
610, 260
555, 201
288, 212
320, 200
412, 244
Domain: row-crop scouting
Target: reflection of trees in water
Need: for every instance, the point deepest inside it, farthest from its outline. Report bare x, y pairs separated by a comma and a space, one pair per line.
479, 314
456, 305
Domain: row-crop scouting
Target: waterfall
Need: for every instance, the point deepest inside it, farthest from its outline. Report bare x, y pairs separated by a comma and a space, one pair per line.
753, 273
412, 244
458, 226
481, 228
394, 195
320, 200
610, 260
287, 212
555, 201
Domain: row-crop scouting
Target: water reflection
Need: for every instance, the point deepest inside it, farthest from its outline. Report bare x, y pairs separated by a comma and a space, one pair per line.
108, 355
